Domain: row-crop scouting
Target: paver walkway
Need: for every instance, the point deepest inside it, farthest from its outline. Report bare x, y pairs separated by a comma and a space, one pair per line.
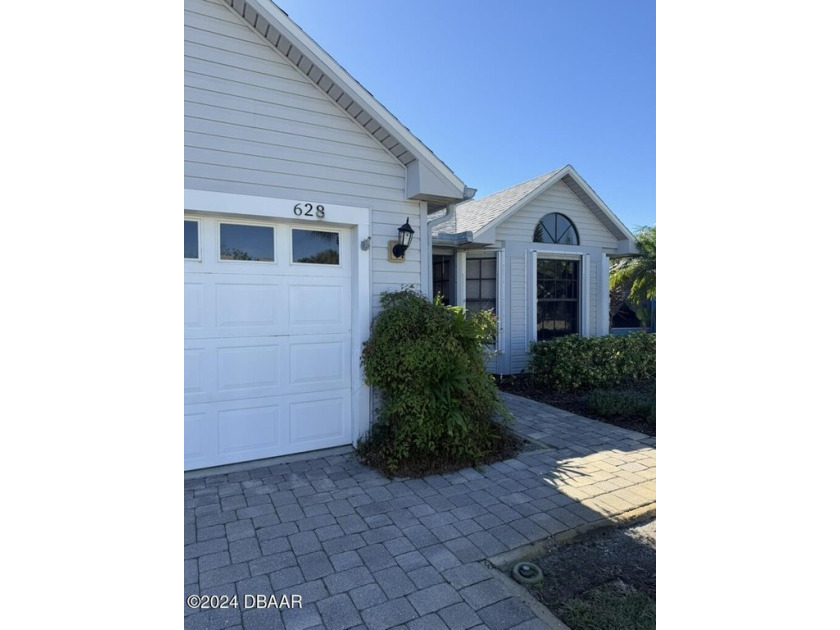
363, 551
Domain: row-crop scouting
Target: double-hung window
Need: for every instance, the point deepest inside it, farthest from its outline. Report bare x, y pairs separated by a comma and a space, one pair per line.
481, 288
558, 298
481, 284
441, 277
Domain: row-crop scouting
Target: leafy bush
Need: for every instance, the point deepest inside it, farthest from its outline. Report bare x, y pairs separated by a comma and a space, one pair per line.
575, 362
621, 403
437, 401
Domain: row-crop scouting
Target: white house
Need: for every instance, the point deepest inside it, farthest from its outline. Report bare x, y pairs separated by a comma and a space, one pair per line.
537, 254
296, 180
296, 183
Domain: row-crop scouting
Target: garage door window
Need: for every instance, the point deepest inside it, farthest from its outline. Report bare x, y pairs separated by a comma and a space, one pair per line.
246, 242
191, 240
315, 247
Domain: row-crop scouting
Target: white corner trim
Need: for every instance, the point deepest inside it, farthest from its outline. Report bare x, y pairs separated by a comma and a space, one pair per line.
461, 283
604, 285
501, 311
584, 294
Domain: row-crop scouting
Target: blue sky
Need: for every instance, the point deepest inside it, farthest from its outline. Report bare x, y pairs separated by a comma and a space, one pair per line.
505, 92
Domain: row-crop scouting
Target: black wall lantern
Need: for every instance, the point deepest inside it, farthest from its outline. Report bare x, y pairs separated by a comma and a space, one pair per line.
405, 236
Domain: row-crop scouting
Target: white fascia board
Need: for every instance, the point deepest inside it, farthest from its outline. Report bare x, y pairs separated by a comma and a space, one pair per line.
326, 64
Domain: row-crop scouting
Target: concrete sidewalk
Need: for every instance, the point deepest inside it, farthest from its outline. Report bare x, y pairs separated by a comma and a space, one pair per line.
364, 551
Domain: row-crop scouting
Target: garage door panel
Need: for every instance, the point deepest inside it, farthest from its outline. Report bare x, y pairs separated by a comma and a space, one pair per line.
250, 429
195, 377
237, 368
193, 304
247, 305
239, 430
319, 362
234, 306
248, 367
319, 423
198, 440
233, 369
317, 308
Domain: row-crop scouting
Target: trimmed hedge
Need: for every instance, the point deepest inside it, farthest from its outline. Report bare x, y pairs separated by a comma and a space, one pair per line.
576, 362
437, 402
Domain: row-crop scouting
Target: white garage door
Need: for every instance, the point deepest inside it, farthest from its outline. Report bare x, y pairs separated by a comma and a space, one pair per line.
267, 328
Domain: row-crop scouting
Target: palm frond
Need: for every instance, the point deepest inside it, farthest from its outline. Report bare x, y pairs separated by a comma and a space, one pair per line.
635, 274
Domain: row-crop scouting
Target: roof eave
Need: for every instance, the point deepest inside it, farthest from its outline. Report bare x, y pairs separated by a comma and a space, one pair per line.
461, 238
281, 32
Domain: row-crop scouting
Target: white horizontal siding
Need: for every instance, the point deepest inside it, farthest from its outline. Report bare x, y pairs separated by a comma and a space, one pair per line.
208, 128
520, 226
518, 320
203, 135
255, 125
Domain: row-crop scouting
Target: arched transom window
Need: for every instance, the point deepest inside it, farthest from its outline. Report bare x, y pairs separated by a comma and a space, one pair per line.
556, 228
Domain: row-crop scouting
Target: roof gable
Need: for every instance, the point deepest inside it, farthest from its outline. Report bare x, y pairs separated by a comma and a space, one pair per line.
475, 216
429, 179
484, 214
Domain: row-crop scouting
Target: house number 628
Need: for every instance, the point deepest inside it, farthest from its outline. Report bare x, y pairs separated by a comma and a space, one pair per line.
306, 210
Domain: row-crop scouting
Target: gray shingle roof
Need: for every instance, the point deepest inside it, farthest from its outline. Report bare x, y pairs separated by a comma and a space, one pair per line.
474, 215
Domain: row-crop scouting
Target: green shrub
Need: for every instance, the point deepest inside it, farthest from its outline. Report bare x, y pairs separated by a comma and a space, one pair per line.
620, 403
437, 402
576, 362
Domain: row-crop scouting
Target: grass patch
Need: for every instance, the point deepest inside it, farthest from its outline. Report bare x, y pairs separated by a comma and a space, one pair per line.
629, 403
614, 606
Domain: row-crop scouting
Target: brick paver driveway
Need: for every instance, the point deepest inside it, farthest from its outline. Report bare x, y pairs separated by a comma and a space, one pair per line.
364, 551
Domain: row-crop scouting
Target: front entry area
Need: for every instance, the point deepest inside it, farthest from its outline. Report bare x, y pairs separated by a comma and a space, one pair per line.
268, 330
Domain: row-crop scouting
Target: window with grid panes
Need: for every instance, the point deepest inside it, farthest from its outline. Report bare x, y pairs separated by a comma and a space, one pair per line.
441, 269
481, 284
558, 303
